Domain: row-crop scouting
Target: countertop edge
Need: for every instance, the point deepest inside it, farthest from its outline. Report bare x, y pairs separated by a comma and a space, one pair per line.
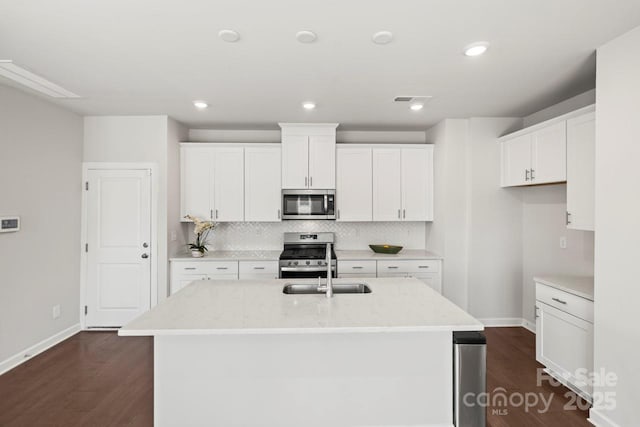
554, 283
296, 331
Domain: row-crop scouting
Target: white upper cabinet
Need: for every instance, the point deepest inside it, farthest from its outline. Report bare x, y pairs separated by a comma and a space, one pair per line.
354, 190
196, 167
387, 184
212, 182
308, 156
228, 184
549, 155
403, 183
417, 183
322, 162
262, 178
581, 138
535, 156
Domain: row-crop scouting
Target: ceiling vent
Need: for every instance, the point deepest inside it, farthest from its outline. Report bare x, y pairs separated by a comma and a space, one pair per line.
33, 81
415, 98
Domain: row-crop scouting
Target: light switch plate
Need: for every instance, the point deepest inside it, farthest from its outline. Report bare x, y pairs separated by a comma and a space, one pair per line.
9, 224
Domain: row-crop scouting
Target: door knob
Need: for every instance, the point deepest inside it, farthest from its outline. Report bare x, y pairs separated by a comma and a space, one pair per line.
145, 245
145, 256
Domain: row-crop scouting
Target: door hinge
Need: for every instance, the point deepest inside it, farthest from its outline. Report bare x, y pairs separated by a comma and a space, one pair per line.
86, 309
86, 186
86, 247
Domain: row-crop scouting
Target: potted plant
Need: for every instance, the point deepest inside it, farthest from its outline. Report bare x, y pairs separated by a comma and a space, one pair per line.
201, 230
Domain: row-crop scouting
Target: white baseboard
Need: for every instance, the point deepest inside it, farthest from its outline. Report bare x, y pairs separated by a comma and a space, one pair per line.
529, 325
598, 419
502, 322
38, 348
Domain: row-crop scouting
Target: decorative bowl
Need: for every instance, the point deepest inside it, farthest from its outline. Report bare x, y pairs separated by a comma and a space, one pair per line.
385, 249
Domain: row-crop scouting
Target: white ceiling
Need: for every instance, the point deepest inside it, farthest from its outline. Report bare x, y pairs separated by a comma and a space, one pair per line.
157, 56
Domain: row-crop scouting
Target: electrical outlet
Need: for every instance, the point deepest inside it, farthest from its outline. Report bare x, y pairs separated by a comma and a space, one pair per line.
55, 312
563, 242
173, 236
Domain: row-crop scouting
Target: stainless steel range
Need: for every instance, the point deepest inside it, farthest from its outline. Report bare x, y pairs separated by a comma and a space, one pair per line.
305, 255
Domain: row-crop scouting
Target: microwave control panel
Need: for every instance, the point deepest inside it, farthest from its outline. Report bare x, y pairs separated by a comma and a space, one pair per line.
9, 224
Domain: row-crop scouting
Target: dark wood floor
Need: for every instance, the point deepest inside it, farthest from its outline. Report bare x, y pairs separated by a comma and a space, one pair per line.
100, 379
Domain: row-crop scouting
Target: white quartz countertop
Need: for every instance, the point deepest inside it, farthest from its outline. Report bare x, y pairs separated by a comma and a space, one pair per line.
231, 256
581, 286
370, 255
345, 255
260, 307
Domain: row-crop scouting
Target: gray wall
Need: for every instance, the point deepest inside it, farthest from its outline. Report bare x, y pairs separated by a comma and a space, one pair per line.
40, 180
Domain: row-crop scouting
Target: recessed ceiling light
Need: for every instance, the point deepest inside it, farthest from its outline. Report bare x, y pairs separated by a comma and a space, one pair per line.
416, 107
200, 105
230, 36
33, 81
476, 49
382, 37
308, 105
306, 36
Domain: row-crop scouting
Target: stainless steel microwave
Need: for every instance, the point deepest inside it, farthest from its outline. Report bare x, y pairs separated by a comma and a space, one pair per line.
308, 204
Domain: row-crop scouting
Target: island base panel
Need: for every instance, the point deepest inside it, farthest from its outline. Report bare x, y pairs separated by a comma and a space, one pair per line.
366, 379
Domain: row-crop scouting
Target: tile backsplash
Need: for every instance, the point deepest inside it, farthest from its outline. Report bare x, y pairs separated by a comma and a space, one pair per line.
239, 236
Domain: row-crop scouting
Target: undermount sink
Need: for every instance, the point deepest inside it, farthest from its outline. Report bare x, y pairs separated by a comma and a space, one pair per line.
338, 288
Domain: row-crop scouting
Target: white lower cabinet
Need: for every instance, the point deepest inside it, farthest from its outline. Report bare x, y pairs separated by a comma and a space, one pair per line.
564, 336
429, 271
364, 268
252, 270
185, 272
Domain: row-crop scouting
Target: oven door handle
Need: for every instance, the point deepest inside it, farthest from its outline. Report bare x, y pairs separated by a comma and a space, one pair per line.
304, 270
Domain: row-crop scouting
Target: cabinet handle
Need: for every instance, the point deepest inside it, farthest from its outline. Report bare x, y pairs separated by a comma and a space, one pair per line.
216, 213
222, 268
423, 266
211, 215
258, 268
189, 268
305, 181
526, 175
356, 267
533, 176
279, 215
404, 213
338, 216
559, 300
391, 267
399, 214
310, 181
535, 312
568, 218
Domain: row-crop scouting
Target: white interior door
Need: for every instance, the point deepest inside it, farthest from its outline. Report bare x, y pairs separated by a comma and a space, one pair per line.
118, 262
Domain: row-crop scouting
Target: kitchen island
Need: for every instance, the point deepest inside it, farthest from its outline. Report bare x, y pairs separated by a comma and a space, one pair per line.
243, 353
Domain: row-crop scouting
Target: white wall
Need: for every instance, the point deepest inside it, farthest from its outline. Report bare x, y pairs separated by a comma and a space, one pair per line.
135, 139
617, 289
447, 235
543, 224
237, 135
40, 180
176, 238
477, 225
495, 219
566, 106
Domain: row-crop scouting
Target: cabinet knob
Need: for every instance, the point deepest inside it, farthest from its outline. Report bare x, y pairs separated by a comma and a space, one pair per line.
145, 256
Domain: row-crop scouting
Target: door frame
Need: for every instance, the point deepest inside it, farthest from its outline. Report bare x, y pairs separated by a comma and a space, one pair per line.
84, 259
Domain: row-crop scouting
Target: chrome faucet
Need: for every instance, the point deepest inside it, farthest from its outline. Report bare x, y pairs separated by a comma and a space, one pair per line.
328, 286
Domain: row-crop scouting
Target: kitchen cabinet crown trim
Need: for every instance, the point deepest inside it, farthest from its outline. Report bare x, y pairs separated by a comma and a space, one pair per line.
547, 123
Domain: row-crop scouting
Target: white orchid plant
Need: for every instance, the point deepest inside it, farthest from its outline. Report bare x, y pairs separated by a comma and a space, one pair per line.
201, 230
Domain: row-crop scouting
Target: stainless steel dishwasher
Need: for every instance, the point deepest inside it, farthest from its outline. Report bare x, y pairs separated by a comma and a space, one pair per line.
469, 379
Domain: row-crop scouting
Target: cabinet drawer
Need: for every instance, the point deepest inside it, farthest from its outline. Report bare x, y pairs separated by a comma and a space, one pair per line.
564, 301
409, 266
356, 275
258, 268
356, 267
205, 267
